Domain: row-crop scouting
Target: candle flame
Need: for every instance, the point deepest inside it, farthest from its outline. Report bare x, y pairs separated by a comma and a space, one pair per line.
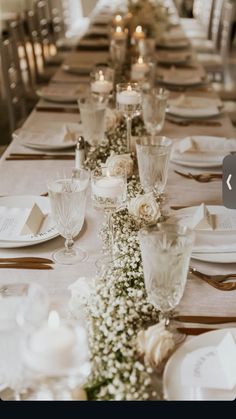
53, 320
119, 29
139, 29
101, 76
118, 18
140, 60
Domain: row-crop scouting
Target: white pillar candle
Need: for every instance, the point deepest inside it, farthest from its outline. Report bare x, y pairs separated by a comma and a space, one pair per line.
119, 34
101, 85
139, 69
52, 346
108, 187
138, 34
129, 97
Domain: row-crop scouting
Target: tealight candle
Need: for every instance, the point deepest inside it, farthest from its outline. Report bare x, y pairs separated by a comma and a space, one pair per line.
139, 69
108, 187
119, 34
101, 85
118, 19
138, 34
51, 347
129, 97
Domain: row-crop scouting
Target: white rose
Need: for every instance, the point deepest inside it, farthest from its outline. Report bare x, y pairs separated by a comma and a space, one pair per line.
155, 343
112, 118
145, 207
82, 292
119, 164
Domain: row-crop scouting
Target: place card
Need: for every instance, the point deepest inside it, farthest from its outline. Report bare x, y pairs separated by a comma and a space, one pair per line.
34, 221
201, 219
211, 366
187, 144
20, 224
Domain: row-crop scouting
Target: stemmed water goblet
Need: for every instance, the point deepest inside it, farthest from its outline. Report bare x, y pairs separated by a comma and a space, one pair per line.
129, 102
108, 194
93, 113
166, 251
67, 194
154, 110
153, 154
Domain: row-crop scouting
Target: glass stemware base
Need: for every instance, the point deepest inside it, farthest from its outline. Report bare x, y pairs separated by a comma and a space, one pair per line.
69, 257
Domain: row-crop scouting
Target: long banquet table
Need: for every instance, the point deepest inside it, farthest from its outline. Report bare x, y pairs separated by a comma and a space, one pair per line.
29, 178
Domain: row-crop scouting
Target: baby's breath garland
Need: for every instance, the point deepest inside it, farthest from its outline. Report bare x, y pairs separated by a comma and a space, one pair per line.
119, 308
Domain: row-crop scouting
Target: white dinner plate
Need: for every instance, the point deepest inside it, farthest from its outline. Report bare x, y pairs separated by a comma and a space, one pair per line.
173, 44
175, 60
198, 159
48, 138
193, 113
26, 201
60, 97
77, 69
183, 83
173, 390
211, 256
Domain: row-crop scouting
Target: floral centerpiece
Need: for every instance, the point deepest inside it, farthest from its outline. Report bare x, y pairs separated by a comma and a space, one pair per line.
151, 15
115, 303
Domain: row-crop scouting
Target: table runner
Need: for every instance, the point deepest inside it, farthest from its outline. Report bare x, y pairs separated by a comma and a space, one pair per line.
30, 178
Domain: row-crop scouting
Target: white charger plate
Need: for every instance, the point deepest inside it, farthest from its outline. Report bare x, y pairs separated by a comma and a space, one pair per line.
173, 390
27, 201
201, 163
81, 70
211, 257
201, 113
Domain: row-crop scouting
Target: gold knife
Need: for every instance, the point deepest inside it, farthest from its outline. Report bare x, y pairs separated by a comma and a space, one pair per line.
205, 319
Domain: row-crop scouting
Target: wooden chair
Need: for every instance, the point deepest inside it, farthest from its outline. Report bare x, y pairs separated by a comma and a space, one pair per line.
212, 44
46, 34
13, 84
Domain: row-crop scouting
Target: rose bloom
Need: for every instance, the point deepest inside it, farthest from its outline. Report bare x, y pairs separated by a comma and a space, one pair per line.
119, 164
145, 207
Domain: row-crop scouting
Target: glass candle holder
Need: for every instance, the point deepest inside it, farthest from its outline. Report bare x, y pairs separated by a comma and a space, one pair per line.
129, 102
102, 82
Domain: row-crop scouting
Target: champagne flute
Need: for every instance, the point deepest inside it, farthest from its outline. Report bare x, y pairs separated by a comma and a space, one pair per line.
154, 110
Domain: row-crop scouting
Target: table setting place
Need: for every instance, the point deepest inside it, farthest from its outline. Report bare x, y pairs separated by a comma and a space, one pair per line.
117, 259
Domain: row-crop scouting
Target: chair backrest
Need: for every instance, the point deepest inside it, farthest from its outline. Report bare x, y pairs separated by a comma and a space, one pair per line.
36, 43
19, 37
226, 28
216, 20
57, 19
198, 6
206, 15
13, 83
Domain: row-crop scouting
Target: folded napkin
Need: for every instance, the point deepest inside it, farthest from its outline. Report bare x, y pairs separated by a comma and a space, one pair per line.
217, 236
211, 367
194, 102
183, 77
57, 134
173, 57
193, 113
83, 68
57, 91
205, 149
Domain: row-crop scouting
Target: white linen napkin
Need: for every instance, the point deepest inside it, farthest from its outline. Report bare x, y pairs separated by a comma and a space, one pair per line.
205, 149
174, 76
212, 367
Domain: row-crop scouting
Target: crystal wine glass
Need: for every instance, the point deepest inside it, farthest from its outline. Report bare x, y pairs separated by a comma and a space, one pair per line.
108, 194
153, 153
129, 102
67, 194
93, 114
154, 110
166, 251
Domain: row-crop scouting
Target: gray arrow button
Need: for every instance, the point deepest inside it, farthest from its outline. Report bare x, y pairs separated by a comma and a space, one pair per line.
229, 181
